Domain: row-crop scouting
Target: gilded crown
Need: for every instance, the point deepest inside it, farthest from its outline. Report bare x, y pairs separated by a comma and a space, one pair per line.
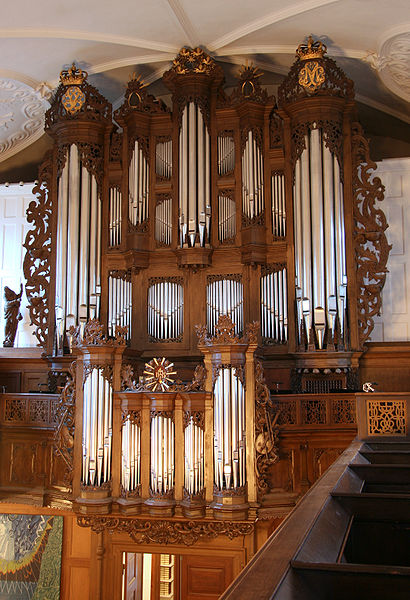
73, 76
311, 50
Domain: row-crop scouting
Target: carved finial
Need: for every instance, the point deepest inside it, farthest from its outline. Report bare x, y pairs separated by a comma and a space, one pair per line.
311, 50
193, 61
252, 332
73, 76
248, 74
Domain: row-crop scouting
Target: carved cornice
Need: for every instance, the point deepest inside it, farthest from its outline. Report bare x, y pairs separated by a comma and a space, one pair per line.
137, 99
167, 532
94, 335
225, 333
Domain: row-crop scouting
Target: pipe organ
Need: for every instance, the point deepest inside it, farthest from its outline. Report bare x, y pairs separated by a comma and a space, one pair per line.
213, 208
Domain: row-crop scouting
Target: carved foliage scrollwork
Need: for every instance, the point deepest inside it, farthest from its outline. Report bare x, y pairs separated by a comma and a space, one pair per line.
371, 246
197, 416
167, 532
36, 265
266, 431
65, 419
332, 137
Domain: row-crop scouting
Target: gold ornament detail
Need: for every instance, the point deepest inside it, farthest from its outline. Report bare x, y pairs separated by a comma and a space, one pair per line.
311, 50
193, 61
158, 374
248, 74
311, 76
386, 417
73, 76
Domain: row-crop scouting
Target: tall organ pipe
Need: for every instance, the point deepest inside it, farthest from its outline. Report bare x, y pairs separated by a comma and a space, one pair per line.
138, 186
194, 178
165, 311
130, 455
162, 454
320, 256
274, 318
252, 178
78, 247
229, 430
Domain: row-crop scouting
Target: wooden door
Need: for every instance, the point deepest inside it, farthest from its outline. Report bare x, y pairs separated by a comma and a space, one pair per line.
133, 576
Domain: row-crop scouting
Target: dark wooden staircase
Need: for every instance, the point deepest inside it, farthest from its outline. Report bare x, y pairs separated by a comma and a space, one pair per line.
357, 543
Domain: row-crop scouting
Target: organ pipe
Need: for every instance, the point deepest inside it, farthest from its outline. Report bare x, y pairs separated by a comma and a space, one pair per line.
194, 457
130, 455
115, 217
97, 429
138, 186
321, 280
226, 218
278, 205
229, 430
163, 159
226, 154
163, 222
194, 178
162, 453
274, 317
165, 310
78, 247
252, 178
224, 297
119, 303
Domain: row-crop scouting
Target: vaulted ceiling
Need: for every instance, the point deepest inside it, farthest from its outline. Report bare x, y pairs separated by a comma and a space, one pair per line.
370, 40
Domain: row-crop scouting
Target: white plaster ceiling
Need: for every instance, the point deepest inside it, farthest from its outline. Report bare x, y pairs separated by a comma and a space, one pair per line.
370, 39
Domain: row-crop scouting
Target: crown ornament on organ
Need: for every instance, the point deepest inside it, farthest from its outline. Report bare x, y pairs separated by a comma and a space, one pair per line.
311, 50
73, 76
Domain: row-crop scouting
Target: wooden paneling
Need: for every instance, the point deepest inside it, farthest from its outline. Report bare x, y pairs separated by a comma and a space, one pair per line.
205, 577
75, 572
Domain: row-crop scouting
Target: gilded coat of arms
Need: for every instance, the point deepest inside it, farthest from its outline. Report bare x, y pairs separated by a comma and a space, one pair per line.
311, 76
73, 99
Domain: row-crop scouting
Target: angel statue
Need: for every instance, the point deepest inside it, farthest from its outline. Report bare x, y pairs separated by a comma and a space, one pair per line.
12, 315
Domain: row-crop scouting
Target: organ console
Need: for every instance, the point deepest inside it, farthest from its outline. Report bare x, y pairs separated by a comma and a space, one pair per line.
217, 209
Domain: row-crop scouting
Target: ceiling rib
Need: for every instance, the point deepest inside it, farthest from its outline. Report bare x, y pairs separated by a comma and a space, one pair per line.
270, 19
184, 21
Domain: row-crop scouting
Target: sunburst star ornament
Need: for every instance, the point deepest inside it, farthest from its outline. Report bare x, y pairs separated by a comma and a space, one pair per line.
158, 374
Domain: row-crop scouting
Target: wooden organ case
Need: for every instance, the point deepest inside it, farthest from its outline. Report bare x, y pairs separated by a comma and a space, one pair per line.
223, 211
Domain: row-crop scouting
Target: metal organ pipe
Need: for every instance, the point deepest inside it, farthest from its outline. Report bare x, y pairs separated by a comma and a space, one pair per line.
163, 222
97, 429
78, 249
162, 453
278, 205
229, 430
252, 178
138, 186
115, 217
226, 218
320, 261
194, 178
226, 154
119, 302
224, 297
165, 311
130, 455
163, 159
274, 318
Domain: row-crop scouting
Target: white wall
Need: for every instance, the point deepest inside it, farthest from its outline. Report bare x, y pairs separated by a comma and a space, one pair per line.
394, 322
14, 200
